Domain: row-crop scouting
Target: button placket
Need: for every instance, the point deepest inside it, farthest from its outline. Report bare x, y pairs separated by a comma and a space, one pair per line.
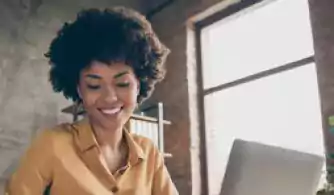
92, 161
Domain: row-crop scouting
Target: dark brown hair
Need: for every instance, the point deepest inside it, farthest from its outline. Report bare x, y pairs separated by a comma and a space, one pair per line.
110, 35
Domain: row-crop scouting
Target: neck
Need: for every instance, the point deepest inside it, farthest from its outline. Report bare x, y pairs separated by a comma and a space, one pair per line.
111, 138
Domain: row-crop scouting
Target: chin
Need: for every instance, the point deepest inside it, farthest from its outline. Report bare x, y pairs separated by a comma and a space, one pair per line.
112, 126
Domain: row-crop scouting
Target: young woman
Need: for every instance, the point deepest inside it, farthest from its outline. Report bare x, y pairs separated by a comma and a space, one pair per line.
108, 60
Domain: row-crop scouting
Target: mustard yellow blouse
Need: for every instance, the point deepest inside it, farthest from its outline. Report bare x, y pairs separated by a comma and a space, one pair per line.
67, 157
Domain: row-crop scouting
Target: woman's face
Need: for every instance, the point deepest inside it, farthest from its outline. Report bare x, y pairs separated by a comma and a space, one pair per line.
109, 93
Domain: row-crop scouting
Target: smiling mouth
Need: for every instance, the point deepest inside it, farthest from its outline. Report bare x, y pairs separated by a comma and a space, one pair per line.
111, 112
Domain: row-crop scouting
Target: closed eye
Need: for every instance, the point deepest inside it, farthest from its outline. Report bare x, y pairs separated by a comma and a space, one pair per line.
93, 87
123, 84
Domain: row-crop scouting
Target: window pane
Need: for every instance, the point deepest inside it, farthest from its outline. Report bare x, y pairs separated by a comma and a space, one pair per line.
281, 110
259, 39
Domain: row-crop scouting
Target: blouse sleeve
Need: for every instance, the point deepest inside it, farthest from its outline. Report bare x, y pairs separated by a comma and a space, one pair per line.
35, 171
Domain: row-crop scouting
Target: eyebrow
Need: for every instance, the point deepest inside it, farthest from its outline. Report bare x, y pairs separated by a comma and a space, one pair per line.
121, 74
93, 76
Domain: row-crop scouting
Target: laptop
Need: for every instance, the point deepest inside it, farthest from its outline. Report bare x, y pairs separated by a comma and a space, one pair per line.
258, 169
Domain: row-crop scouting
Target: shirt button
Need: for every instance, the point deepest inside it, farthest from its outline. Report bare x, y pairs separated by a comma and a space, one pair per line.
114, 189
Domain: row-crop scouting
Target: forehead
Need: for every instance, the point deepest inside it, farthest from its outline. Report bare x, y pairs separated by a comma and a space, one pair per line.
107, 70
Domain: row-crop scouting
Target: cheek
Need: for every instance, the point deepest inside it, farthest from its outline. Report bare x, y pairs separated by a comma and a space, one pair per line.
89, 99
129, 98
89, 102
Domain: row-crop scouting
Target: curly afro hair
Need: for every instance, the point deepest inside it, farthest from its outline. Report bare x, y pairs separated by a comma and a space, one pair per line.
111, 35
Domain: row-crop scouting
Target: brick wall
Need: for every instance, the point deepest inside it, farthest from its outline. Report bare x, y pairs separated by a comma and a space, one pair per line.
179, 90
323, 31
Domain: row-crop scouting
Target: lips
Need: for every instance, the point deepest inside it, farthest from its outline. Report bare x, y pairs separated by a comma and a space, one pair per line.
111, 111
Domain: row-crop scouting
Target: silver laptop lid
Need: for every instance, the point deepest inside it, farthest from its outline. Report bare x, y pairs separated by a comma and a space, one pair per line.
258, 169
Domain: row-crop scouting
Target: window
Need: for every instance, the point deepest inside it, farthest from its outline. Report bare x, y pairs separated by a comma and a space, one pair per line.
259, 82
272, 35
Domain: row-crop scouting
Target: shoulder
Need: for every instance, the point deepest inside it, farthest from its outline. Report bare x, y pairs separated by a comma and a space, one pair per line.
56, 135
41, 149
61, 131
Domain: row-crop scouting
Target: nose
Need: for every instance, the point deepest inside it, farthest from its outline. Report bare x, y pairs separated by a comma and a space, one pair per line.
109, 95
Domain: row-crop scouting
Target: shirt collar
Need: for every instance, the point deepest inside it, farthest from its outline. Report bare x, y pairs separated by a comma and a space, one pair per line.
85, 140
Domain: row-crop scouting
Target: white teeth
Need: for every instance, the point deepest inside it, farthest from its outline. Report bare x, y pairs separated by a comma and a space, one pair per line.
111, 111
